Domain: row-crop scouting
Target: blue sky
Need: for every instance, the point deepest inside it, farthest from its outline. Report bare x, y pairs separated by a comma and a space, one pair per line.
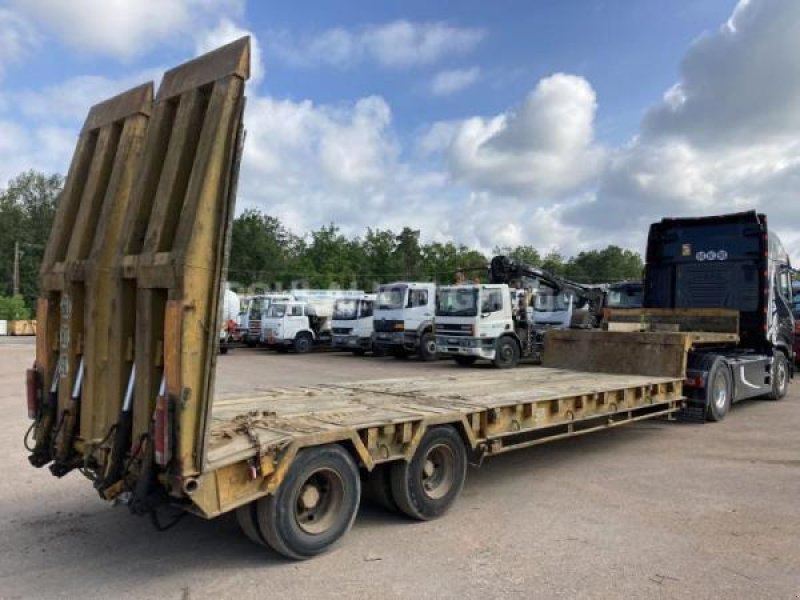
566, 125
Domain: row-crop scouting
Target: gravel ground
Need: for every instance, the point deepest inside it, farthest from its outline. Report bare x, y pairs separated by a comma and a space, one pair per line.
652, 510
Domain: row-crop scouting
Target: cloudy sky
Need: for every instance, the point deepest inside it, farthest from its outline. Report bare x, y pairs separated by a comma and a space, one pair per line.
565, 125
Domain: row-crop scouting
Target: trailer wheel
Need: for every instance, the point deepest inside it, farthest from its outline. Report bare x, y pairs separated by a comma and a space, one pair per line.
246, 517
379, 487
465, 361
426, 486
718, 391
779, 377
507, 353
302, 343
427, 347
314, 506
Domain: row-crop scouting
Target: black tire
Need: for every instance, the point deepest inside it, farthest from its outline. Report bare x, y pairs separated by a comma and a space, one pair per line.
303, 343
330, 476
779, 377
359, 352
426, 487
378, 487
507, 353
223, 349
719, 391
427, 347
465, 361
246, 517
399, 353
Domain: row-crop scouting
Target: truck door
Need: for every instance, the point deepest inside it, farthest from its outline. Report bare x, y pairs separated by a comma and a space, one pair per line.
782, 320
420, 307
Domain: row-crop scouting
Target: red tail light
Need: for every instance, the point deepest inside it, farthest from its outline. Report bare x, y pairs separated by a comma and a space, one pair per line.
696, 382
34, 392
162, 431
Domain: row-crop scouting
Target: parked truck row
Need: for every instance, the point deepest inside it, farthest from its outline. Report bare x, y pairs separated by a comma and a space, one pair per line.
122, 389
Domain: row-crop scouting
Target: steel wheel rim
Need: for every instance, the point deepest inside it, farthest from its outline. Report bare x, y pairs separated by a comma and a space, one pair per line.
438, 471
720, 392
319, 501
506, 352
431, 346
781, 375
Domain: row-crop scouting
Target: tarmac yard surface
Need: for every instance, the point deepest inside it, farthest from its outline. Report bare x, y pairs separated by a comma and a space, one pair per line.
652, 510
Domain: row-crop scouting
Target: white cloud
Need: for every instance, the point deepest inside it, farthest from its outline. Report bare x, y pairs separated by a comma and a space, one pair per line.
398, 44
17, 38
723, 139
46, 148
121, 28
449, 82
542, 150
739, 83
227, 31
68, 102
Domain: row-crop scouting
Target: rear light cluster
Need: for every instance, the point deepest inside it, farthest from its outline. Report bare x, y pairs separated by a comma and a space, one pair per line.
695, 381
162, 428
33, 390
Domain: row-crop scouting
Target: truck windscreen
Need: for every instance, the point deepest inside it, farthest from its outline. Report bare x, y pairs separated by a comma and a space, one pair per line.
455, 302
393, 297
345, 310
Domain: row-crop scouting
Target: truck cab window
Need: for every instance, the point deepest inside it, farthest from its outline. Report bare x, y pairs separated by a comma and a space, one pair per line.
366, 309
417, 298
297, 311
491, 301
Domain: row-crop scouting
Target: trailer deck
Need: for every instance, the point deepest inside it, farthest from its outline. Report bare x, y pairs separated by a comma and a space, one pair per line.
384, 420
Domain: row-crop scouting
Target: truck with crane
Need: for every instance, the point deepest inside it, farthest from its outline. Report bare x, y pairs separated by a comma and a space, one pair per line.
503, 321
122, 388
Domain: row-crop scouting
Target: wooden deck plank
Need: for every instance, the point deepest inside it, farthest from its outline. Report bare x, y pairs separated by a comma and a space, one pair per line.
283, 415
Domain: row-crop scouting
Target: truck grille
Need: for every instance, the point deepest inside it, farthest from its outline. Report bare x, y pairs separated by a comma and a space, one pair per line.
341, 330
387, 325
454, 329
254, 328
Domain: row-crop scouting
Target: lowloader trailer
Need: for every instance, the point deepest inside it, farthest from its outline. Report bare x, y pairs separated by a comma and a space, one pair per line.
122, 386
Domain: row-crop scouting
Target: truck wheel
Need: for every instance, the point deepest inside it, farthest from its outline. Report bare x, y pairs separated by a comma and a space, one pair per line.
465, 361
379, 487
427, 347
223, 349
314, 506
246, 517
718, 392
302, 343
427, 485
506, 355
780, 377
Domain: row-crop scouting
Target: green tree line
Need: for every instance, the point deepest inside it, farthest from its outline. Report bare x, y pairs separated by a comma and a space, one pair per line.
266, 254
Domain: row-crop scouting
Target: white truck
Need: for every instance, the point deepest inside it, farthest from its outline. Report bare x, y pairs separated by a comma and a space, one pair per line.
256, 310
302, 322
477, 321
403, 319
352, 324
228, 322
